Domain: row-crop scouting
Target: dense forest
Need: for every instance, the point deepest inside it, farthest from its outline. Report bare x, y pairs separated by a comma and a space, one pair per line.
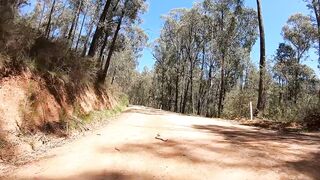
202, 57
203, 65
82, 36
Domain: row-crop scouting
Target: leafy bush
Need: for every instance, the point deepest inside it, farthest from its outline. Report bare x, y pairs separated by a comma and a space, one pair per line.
237, 103
290, 111
311, 119
57, 58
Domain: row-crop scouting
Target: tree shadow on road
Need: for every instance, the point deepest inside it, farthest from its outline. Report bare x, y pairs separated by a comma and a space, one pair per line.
171, 149
103, 175
303, 150
290, 154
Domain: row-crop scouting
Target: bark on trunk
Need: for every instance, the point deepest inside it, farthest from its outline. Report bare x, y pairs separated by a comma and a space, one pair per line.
185, 97
261, 96
316, 9
99, 30
81, 28
222, 87
103, 74
47, 32
76, 26
74, 20
201, 83
41, 16
177, 93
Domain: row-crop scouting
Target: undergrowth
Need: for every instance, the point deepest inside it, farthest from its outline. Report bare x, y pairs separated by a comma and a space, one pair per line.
99, 116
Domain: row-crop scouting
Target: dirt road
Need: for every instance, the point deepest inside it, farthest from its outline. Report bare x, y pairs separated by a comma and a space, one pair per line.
152, 144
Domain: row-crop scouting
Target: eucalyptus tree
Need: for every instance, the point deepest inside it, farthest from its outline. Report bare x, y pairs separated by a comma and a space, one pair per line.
48, 26
192, 48
194, 44
85, 12
125, 59
140, 92
236, 28
169, 58
93, 12
262, 95
314, 5
99, 29
109, 25
128, 15
76, 6
300, 33
283, 70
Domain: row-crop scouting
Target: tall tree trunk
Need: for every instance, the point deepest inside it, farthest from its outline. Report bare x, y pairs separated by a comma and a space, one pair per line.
162, 88
201, 83
222, 86
191, 87
41, 16
113, 76
222, 75
86, 42
280, 92
63, 30
169, 102
89, 32
47, 32
76, 25
185, 97
106, 36
71, 27
104, 45
81, 28
99, 30
209, 86
177, 93
103, 74
316, 9
262, 96
183, 86
74, 19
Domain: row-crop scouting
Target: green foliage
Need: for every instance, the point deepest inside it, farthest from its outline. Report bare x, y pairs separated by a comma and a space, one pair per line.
140, 91
123, 100
201, 56
237, 103
300, 32
57, 59
289, 111
311, 118
103, 115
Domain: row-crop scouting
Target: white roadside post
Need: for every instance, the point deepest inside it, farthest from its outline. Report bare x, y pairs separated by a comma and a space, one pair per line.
251, 115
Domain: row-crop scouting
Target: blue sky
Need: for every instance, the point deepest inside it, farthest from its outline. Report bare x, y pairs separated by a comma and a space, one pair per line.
275, 12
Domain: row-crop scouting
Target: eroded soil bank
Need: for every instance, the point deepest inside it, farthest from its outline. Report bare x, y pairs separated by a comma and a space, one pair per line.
33, 108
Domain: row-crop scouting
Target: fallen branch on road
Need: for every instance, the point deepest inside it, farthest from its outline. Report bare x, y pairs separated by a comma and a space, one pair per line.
161, 139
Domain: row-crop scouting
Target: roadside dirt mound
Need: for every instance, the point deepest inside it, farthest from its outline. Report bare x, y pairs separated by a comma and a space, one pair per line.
273, 125
28, 106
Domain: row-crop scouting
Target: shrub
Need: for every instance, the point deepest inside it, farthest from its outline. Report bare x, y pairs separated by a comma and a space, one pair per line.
237, 103
311, 119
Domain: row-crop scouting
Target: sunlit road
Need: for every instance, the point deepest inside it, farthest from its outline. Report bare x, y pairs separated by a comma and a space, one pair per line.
145, 143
